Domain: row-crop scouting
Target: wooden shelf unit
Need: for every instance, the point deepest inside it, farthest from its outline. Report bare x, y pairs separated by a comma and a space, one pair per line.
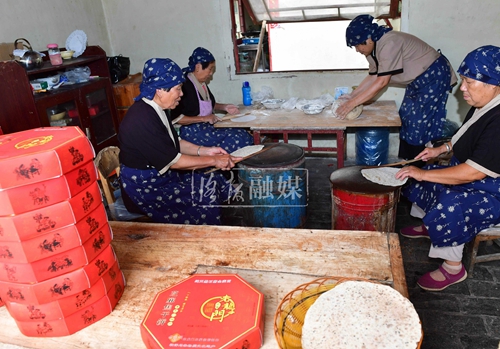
91, 103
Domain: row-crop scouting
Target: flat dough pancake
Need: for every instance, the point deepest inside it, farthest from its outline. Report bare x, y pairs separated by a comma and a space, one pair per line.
245, 118
361, 314
383, 176
248, 150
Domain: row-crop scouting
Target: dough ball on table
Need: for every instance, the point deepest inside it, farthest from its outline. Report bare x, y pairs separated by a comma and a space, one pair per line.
353, 114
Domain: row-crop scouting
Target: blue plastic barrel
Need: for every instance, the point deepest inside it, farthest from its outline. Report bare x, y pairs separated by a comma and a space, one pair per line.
274, 184
372, 146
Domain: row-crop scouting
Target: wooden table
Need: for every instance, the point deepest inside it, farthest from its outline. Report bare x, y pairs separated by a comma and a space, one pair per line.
275, 261
279, 121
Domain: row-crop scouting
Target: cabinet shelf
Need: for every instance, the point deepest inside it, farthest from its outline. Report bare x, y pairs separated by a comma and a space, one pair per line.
68, 63
63, 89
22, 109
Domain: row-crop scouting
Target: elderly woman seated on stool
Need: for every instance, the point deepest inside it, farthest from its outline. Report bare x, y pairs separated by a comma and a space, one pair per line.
457, 201
195, 111
158, 169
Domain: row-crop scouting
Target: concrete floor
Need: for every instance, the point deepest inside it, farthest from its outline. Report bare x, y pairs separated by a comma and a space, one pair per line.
463, 316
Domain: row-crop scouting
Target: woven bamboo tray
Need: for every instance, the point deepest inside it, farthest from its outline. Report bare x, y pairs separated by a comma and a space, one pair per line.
291, 312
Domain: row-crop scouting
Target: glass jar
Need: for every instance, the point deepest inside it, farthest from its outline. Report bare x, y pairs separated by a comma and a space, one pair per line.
54, 54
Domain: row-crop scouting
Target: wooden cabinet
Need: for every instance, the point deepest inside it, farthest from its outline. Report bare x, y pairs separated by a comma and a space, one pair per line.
125, 91
89, 105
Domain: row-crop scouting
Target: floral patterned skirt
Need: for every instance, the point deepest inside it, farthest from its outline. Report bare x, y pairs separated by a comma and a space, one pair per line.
455, 214
179, 197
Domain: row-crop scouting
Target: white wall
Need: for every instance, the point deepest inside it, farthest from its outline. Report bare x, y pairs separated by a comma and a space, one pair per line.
43, 22
173, 28
456, 27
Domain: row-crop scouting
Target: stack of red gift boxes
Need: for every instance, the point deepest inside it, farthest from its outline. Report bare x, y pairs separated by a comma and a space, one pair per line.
58, 271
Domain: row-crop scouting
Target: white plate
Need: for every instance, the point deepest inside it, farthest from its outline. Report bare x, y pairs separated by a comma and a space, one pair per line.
77, 41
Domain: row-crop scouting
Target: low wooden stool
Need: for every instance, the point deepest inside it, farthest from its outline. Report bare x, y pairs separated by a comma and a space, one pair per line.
470, 254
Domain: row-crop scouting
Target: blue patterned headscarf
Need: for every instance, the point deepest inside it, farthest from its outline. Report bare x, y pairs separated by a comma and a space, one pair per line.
482, 64
362, 28
159, 73
200, 55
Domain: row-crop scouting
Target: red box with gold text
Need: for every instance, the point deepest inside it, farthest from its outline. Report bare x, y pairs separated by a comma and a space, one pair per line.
85, 208
74, 322
206, 311
58, 264
67, 306
45, 193
60, 286
55, 241
42, 153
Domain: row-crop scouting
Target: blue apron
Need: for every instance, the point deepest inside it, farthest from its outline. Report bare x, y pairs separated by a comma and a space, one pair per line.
423, 109
205, 134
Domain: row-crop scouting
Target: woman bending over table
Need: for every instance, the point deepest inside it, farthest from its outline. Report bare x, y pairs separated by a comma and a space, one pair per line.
457, 201
195, 111
404, 60
159, 171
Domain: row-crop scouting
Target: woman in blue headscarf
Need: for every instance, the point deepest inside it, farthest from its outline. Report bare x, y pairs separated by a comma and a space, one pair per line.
402, 60
158, 172
196, 110
457, 201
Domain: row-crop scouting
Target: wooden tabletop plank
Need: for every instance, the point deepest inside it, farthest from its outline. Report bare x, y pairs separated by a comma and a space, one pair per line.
155, 256
376, 114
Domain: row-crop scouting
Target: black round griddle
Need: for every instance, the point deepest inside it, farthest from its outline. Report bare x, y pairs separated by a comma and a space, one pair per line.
280, 154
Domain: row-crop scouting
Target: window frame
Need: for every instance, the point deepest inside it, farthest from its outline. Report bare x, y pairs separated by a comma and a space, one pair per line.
244, 6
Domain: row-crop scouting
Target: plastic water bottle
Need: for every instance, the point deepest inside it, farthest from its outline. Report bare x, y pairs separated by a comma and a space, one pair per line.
247, 95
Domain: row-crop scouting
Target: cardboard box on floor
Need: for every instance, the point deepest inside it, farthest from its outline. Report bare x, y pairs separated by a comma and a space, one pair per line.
6, 49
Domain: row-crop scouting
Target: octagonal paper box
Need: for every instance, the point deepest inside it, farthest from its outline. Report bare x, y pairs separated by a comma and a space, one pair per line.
208, 311
42, 153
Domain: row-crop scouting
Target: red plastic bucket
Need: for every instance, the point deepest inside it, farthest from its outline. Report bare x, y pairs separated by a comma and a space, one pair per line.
358, 204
